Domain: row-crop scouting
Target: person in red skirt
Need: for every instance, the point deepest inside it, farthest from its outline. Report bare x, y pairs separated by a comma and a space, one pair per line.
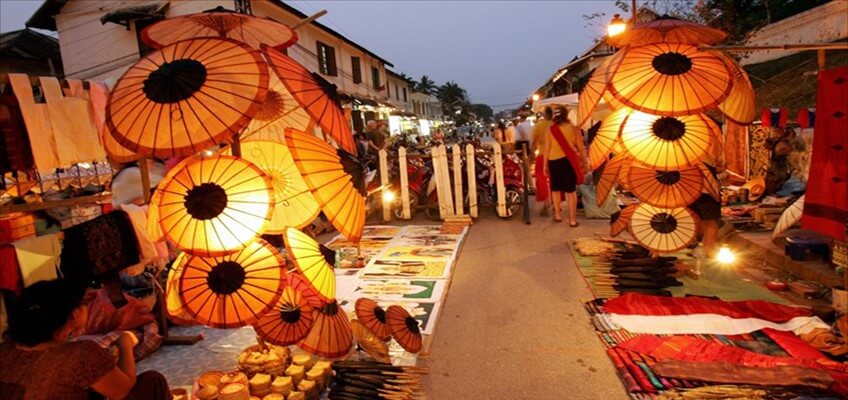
540, 133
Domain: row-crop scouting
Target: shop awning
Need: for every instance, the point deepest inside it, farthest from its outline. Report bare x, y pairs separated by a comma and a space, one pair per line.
123, 16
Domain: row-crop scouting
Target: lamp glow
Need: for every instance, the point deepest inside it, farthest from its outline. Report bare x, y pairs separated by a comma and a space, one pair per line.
388, 196
616, 26
725, 256
535, 97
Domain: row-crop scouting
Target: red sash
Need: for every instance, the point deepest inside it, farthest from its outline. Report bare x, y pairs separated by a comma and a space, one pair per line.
570, 154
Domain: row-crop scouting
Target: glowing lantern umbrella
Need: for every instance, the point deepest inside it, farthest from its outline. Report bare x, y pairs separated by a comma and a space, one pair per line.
606, 137
331, 335
315, 94
187, 97
279, 112
739, 105
667, 29
292, 318
595, 88
295, 206
609, 176
404, 328
619, 221
668, 143
154, 230
173, 302
314, 261
373, 316
223, 23
663, 229
336, 179
215, 206
114, 150
232, 290
370, 343
670, 79
711, 184
665, 189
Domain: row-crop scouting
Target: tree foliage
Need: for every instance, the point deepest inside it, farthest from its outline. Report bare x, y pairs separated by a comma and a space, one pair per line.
482, 111
426, 85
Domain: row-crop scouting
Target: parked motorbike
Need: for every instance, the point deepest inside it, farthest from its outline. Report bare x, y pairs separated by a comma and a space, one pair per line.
487, 194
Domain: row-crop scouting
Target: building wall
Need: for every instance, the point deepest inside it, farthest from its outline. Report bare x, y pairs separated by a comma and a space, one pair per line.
395, 87
825, 23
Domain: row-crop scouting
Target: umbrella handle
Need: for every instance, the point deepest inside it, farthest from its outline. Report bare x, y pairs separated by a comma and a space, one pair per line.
262, 346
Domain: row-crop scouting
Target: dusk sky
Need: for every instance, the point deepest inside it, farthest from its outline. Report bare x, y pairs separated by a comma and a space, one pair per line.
500, 51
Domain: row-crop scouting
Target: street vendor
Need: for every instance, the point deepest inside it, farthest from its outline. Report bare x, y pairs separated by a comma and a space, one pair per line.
41, 362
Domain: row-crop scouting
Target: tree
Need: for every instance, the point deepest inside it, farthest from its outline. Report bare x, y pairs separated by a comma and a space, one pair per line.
409, 80
482, 111
426, 85
454, 101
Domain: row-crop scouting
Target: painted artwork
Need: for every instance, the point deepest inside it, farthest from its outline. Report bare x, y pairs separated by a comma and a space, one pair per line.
426, 253
449, 241
413, 269
381, 231
421, 290
423, 230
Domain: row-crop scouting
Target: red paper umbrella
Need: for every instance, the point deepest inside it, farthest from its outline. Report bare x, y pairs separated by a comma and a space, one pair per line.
621, 220
336, 179
292, 318
187, 97
331, 335
220, 22
299, 283
666, 189
670, 79
595, 88
404, 328
314, 261
373, 317
315, 94
233, 290
667, 29
606, 137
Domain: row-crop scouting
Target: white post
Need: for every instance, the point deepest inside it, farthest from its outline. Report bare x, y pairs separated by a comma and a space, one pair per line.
384, 181
471, 165
440, 167
404, 183
457, 180
499, 181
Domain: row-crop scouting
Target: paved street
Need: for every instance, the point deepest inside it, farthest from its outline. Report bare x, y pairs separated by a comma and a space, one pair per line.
513, 326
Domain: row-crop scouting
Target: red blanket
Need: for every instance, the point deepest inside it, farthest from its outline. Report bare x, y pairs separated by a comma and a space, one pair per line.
643, 304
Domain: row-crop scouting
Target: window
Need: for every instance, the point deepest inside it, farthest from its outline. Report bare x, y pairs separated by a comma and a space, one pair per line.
375, 77
404, 95
397, 94
140, 24
327, 59
356, 66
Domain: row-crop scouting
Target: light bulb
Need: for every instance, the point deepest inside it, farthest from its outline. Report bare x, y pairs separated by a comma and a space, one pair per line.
725, 255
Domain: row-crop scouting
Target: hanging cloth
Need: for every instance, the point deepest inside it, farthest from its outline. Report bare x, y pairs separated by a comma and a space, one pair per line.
569, 151
774, 117
826, 201
73, 127
39, 129
10, 271
38, 258
806, 117
104, 244
16, 152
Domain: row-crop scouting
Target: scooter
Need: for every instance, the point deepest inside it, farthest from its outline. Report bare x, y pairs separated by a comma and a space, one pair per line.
487, 194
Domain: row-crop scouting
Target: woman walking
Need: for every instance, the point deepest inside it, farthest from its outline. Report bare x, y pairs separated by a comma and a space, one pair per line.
565, 161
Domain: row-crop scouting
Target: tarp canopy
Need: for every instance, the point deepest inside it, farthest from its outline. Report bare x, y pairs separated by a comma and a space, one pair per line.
569, 101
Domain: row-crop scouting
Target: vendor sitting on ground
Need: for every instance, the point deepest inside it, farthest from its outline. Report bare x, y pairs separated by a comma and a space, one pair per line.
40, 362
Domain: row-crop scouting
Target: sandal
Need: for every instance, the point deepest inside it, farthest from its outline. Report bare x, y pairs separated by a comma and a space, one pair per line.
557, 219
573, 224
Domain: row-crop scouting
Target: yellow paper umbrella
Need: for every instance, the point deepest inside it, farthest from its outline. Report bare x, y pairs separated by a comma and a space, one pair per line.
215, 206
279, 111
292, 318
595, 88
314, 261
233, 290
739, 106
670, 79
620, 220
186, 97
663, 229
609, 176
295, 207
666, 189
336, 179
220, 22
667, 29
606, 137
370, 343
331, 334
668, 143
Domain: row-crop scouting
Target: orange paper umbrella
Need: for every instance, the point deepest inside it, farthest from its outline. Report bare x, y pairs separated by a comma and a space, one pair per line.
331, 335
223, 23
187, 97
595, 88
295, 206
667, 29
663, 229
373, 316
665, 189
233, 290
114, 150
620, 220
154, 230
215, 206
314, 93
292, 318
314, 261
606, 137
370, 343
404, 329
670, 79
279, 111
711, 184
668, 143
609, 176
739, 105
174, 305
336, 179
